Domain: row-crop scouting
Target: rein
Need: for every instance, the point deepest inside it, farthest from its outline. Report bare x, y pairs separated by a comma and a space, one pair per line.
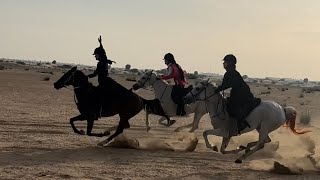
206, 99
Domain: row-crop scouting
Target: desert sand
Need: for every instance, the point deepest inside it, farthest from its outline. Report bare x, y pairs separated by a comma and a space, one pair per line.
37, 142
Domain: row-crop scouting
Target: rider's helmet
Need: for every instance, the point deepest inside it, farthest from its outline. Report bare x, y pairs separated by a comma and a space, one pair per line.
168, 57
230, 58
99, 51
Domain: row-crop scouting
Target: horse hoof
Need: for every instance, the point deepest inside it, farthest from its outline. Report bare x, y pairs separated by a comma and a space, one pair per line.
177, 130
214, 148
171, 122
242, 147
81, 132
238, 161
100, 144
148, 129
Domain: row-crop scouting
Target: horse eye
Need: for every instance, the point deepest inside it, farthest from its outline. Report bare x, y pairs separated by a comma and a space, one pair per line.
197, 89
143, 78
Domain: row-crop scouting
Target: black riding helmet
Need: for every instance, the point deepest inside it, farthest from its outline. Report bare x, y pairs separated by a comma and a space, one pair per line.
169, 57
230, 58
99, 51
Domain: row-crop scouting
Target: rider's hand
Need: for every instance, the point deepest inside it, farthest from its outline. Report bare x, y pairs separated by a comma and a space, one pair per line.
99, 39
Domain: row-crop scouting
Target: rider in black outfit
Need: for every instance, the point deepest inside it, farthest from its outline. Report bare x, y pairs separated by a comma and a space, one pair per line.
240, 102
102, 72
102, 66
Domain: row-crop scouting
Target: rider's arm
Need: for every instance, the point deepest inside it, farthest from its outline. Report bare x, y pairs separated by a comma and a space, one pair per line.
109, 61
226, 83
94, 74
169, 75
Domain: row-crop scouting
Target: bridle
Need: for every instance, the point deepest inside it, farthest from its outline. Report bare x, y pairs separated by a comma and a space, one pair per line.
206, 99
67, 80
147, 79
151, 84
74, 87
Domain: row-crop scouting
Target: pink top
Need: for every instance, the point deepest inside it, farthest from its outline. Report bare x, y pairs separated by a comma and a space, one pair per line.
174, 73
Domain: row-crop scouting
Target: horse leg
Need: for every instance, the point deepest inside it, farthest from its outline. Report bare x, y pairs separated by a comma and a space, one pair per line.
90, 123
123, 124
205, 134
147, 122
224, 144
169, 121
259, 145
77, 118
251, 144
196, 120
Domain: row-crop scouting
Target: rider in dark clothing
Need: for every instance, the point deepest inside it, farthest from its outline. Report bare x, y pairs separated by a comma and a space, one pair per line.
240, 100
102, 72
102, 66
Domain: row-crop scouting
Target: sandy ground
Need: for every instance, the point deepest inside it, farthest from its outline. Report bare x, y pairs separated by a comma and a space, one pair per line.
37, 142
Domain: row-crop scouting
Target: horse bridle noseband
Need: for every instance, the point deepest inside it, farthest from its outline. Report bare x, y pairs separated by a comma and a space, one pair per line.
74, 88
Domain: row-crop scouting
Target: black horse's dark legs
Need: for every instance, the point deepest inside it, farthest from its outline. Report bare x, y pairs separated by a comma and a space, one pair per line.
123, 124
77, 118
89, 129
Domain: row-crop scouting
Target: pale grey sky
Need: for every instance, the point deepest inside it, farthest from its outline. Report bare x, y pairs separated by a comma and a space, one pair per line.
269, 38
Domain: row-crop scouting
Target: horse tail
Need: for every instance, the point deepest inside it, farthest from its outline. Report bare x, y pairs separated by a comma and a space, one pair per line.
291, 115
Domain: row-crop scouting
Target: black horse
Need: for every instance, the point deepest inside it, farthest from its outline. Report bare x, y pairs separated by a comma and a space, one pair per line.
94, 102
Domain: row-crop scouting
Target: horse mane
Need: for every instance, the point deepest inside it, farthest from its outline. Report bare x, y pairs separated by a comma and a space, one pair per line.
209, 81
81, 75
155, 73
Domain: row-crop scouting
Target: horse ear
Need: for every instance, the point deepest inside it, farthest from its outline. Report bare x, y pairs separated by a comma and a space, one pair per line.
208, 80
74, 69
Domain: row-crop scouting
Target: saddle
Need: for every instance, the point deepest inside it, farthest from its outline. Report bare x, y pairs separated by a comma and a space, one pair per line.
252, 105
178, 92
246, 110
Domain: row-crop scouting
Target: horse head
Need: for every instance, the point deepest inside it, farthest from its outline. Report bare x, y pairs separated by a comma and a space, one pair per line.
72, 77
201, 91
145, 80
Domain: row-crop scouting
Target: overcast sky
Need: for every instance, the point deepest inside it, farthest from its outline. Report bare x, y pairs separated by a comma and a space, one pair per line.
278, 38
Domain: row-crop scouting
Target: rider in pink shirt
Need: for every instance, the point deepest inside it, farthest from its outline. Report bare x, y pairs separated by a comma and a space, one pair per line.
173, 72
176, 73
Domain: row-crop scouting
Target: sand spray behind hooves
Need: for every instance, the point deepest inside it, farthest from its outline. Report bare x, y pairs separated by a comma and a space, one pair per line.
181, 142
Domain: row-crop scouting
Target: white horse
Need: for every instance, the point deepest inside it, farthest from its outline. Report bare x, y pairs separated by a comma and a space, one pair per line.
163, 92
265, 118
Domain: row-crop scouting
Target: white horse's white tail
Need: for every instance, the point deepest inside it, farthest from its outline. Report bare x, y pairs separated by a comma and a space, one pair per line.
291, 115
